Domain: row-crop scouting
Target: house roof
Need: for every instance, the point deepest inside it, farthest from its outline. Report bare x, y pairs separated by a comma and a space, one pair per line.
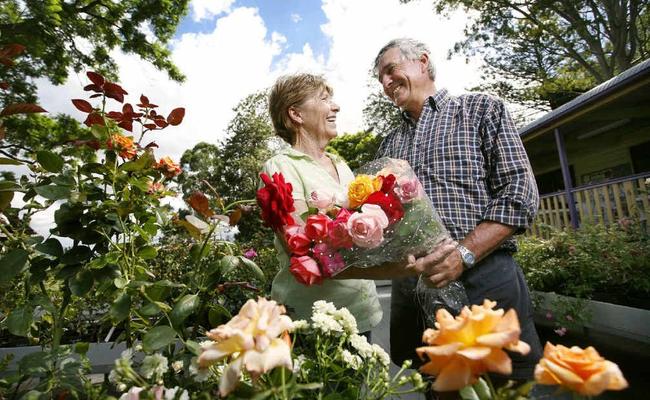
634, 83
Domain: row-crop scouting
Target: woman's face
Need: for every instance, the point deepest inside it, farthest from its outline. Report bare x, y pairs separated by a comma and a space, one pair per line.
318, 114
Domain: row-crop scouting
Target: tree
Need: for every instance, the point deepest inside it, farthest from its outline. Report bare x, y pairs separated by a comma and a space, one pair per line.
380, 115
545, 52
232, 168
60, 35
39, 132
356, 148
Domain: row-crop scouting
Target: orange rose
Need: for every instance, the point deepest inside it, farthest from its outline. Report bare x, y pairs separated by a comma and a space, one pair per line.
469, 345
168, 167
123, 145
361, 187
582, 371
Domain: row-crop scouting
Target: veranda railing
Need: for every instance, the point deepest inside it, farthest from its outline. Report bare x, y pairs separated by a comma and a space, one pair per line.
605, 203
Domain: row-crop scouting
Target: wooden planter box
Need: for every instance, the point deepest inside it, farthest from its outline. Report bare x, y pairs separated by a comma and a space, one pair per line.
102, 356
621, 326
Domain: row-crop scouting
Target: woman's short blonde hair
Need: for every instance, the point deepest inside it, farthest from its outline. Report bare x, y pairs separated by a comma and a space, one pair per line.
290, 91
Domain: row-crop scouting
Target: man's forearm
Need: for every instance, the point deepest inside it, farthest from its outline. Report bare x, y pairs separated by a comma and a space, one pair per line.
487, 237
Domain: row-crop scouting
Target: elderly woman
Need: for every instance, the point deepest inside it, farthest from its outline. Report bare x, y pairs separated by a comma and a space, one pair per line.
304, 115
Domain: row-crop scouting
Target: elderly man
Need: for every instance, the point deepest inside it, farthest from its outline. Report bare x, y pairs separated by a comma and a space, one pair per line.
466, 152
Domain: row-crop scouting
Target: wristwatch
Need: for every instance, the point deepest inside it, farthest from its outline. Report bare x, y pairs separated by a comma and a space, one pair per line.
467, 256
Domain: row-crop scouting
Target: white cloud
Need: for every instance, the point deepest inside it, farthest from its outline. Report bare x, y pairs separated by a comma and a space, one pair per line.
207, 9
296, 18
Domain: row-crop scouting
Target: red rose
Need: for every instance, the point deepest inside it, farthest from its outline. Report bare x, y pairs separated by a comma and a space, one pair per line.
338, 235
387, 183
316, 226
276, 201
388, 202
306, 270
298, 243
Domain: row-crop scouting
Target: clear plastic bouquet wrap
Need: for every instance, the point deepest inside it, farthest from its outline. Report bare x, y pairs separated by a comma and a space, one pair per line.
385, 217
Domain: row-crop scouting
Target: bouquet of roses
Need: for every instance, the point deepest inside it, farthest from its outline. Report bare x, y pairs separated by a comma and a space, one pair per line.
385, 216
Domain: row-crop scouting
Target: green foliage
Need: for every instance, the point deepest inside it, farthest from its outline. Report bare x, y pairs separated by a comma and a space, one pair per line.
380, 115
543, 52
231, 169
109, 275
54, 30
609, 264
356, 148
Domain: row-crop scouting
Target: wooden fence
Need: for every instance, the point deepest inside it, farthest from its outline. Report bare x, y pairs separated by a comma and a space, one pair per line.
604, 203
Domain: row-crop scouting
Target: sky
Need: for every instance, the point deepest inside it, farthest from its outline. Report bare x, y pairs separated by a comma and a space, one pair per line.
229, 49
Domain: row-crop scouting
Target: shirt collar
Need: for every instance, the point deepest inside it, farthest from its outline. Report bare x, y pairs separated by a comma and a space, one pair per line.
437, 102
296, 154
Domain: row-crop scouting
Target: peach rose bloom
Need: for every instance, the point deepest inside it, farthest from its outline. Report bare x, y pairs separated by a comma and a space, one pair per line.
361, 187
582, 371
462, 348
251, 340
123, 145
168, 167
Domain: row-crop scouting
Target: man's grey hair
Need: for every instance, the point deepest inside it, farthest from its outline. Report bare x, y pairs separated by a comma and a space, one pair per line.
411, 49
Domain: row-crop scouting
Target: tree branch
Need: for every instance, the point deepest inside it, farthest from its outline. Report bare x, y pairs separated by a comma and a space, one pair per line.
16, 158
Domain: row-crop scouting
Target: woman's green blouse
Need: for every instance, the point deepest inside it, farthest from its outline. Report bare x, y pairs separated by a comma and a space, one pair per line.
359, 296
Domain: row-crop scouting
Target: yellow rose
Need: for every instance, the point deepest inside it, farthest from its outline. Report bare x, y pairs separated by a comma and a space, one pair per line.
362, 187
582, 371
462, 348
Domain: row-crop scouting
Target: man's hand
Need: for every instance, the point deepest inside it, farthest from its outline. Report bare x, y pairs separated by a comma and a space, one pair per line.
440, 267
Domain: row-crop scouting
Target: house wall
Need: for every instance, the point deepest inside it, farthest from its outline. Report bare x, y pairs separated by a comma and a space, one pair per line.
593, 159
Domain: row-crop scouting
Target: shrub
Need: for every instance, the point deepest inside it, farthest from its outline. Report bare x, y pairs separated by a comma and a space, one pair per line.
595, 261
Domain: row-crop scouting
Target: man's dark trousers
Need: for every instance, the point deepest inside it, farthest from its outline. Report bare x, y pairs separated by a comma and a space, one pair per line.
497, 278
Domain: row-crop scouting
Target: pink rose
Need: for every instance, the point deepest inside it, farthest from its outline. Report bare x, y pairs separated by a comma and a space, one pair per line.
316, 226
330, 261
250, 253
322, 199
305, 270
408, 189
338, 235
297, 241
367, 227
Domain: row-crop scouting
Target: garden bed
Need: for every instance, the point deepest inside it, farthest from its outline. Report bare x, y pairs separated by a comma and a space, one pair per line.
621, 326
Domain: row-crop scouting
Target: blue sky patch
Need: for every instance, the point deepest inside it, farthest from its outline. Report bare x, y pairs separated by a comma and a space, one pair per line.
298, 20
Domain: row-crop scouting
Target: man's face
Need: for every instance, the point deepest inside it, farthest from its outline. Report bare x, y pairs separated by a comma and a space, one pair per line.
399, 77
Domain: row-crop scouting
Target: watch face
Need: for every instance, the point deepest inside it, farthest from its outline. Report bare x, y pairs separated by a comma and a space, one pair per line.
469, 259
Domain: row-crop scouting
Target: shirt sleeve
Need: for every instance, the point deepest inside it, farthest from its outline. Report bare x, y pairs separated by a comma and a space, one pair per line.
511, 183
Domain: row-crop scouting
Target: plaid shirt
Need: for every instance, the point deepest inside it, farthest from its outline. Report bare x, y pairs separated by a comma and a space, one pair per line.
468, 156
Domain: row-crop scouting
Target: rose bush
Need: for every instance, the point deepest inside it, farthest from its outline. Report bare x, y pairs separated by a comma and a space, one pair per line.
103, 260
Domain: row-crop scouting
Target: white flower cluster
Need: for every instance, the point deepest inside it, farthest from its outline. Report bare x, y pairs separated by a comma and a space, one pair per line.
154, 366
352, 360
369, 351
326, 318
